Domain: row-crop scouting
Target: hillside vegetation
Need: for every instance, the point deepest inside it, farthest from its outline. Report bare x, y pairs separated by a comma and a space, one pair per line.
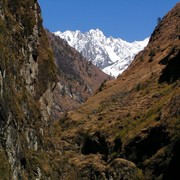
128, 129
133, 122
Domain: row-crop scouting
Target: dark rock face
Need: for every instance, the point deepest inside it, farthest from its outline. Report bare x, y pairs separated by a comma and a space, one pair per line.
141, 148
172, 171
171, 72
95, 144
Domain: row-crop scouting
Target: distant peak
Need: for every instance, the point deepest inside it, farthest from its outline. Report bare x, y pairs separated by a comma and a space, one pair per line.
96, 32
112, 55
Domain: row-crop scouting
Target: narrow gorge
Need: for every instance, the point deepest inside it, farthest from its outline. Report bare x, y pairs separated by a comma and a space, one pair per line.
61, 117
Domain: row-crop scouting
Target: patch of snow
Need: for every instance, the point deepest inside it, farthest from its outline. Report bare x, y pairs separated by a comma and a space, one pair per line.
112, 55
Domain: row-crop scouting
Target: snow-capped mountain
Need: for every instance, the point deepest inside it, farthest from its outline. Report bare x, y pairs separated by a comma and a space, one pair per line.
112, 55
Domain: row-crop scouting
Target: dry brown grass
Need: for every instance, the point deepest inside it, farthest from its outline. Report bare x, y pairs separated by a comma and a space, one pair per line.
132, 104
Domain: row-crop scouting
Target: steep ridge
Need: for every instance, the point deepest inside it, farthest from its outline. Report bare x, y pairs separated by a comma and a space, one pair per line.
27, 78
77, 78
112, 55
130, 128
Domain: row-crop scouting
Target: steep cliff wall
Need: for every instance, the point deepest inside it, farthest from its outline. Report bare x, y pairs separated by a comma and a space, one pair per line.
27, 78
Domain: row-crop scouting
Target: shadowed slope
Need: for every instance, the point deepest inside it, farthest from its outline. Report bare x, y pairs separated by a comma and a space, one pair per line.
77, 78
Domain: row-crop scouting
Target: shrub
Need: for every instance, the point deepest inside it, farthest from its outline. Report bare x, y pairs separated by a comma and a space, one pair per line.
151, 55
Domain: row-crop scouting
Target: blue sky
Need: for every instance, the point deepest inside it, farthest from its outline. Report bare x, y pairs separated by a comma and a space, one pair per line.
127, 19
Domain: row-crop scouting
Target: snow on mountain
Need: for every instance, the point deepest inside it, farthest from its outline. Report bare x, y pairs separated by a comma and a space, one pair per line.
112, 55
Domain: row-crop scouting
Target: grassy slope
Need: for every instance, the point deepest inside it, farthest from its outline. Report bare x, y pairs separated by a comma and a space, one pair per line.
142, 103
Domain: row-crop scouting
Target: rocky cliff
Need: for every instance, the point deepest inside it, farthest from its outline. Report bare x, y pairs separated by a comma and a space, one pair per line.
27, 78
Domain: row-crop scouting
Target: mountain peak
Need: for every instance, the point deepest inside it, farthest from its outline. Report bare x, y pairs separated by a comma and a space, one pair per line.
112, 55
95, 32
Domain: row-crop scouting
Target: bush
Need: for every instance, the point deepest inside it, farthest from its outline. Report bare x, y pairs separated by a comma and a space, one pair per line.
151, 55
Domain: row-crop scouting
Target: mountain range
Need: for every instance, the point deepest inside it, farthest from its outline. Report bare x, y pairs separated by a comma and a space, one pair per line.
61, 117
112, 55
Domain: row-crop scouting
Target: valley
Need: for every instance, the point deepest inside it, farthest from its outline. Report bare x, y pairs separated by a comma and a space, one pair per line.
62, 117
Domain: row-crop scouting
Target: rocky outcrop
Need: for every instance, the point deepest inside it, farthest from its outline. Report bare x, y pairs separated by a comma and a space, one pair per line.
118, 169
